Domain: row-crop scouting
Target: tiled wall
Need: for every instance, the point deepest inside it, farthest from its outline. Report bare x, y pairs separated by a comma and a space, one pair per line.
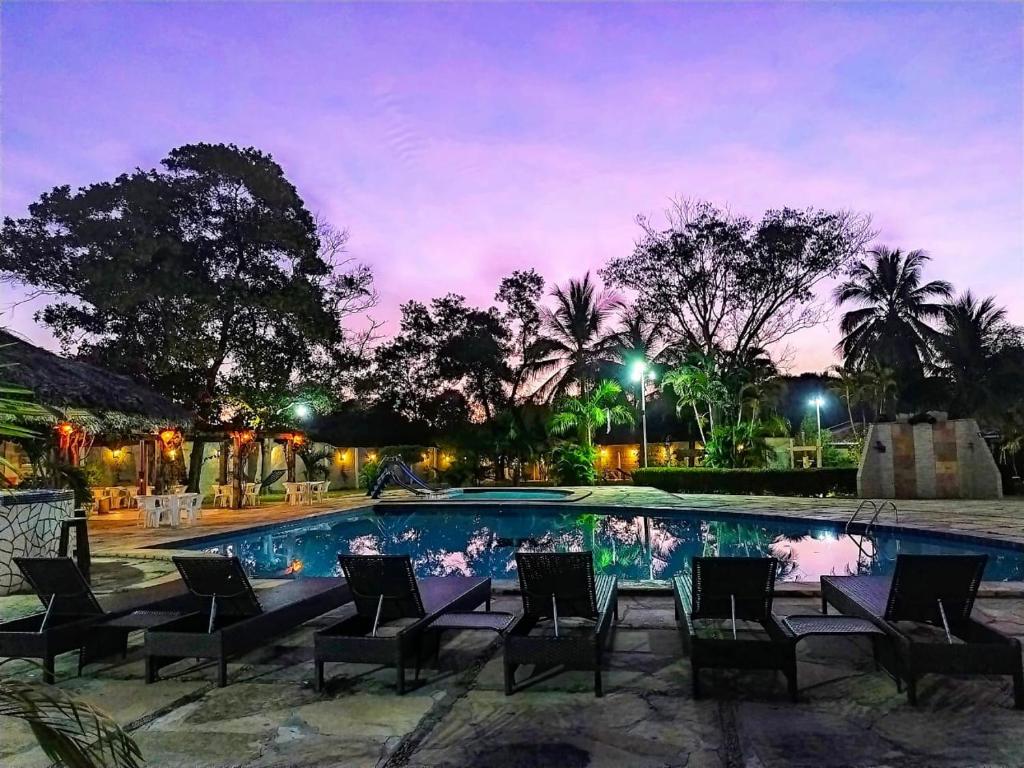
29, 527
946, 460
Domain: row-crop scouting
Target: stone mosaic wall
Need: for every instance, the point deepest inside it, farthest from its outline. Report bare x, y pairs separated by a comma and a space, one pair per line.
29, 527
945, 460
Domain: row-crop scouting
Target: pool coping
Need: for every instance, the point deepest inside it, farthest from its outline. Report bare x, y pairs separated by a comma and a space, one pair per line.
990, 589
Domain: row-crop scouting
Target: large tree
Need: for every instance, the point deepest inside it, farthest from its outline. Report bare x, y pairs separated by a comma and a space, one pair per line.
722, 284
892, 307
179, 274
521, 293
575, 340
207, 277
972, 349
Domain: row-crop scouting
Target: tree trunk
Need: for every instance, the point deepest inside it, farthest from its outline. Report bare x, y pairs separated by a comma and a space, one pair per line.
195, 464
700, 429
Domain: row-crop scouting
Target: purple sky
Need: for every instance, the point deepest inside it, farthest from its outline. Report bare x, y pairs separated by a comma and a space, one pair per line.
458, 142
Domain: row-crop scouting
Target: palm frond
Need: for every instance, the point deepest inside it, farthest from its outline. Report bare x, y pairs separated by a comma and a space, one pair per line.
69, 730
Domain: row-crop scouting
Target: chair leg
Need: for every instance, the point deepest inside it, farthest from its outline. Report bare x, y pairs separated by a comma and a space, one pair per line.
824, 605
222, 672
598, 687
1018, 686
695, 673
48, 676
510, 678
912, 690
152, 667
318, 676
400, 684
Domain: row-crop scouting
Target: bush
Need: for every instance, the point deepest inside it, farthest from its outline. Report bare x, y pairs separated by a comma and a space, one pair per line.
830, 481
573, 464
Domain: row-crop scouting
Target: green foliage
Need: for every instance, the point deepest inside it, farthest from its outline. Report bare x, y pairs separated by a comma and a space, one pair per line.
70, 731
697, 385
316, 461
368, 472
602, 405
739, 445
773, 482
573, 464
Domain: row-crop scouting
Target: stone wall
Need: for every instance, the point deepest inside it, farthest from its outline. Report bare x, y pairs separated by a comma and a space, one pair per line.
945, 460
29, 527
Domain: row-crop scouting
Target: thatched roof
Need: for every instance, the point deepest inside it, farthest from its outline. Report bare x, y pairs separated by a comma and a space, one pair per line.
86, 394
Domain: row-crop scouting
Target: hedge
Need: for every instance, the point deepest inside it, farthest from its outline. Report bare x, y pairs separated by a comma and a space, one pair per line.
829, 481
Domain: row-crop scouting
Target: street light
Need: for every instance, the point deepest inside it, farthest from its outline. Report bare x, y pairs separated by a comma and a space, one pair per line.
637, 373
302, 411
817, 401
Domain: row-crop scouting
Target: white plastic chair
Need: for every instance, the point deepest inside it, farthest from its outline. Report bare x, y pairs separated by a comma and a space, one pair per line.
295, 493
192, 505
318, 490
221, 494
251, 494
152, 510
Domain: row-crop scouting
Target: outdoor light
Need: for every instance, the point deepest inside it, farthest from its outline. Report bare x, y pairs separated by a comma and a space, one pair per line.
66, 428
116, 454
637, 371
302, 411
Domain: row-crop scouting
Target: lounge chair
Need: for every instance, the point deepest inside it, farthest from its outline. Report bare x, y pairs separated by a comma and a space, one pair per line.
75, 619
395, 612
567, 615
715, 606
234, 619
925, 609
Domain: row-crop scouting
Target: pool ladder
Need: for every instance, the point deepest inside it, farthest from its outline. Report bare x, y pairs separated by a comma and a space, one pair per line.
877, 509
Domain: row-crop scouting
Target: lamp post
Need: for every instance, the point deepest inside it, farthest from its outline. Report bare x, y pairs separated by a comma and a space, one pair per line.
817, 401
640, 372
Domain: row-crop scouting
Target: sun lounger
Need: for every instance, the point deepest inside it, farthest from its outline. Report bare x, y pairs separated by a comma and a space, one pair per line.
235, 620
723, 608
925, 608
395, 612
75, 619
567, 615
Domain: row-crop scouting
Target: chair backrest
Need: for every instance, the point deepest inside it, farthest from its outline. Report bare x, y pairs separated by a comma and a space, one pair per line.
220, 579
722, 585
61, 587
563, 578
292, 487
371, 577
921, 582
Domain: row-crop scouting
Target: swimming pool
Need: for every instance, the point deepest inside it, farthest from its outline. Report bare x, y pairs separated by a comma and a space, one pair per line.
635, 544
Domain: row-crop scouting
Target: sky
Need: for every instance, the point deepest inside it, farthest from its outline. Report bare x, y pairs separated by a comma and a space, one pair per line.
457, 142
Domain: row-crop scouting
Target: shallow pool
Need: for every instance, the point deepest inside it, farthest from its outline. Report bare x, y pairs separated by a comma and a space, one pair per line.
635, 544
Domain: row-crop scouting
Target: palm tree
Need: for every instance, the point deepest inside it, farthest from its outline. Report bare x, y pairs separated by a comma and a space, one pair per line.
601, 405
574, 340
751, 379
889, 324
848, 385
880, 381
966, 348
697, 385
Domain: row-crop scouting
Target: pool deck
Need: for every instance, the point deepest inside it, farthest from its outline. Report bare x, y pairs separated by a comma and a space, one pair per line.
849, 714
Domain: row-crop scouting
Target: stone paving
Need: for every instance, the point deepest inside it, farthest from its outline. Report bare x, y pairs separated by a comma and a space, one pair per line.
849, 714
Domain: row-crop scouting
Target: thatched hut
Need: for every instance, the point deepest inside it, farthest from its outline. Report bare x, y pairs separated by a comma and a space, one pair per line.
84, 406
101, 401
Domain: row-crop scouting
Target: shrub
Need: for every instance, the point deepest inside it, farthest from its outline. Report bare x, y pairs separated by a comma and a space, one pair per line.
831, 481
368, 473
573, 464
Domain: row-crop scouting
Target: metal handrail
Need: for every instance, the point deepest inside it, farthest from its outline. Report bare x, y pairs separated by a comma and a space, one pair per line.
878, 511
864, 503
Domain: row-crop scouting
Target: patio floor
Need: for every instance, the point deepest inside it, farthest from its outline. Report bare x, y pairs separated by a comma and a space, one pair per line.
269, 715
849, 715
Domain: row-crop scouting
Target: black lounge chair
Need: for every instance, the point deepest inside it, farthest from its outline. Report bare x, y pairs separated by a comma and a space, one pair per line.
556, 586
395, 612
235, 620
925, 609
712, 598
75, 619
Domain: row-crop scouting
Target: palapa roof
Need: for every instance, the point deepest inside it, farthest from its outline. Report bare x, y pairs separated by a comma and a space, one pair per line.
98, 399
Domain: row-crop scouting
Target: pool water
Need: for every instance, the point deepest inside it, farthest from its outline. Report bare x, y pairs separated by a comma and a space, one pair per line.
636, 545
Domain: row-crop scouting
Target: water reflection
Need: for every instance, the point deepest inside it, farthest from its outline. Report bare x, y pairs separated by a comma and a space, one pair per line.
470, 540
